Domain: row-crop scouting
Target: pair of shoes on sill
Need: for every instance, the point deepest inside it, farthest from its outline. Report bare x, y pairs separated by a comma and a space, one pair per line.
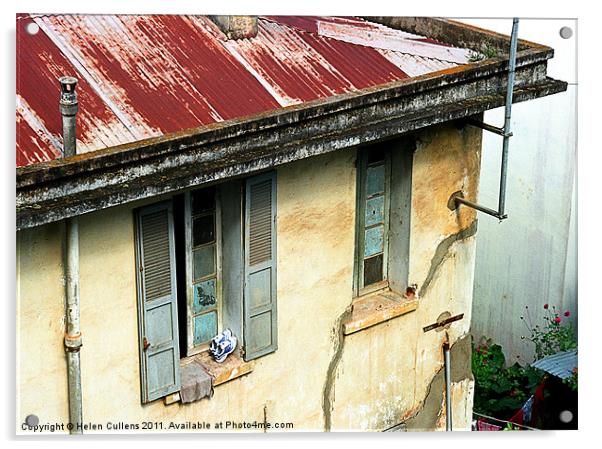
222, 345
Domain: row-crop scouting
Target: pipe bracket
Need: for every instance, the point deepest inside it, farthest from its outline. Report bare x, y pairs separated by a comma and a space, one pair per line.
73, 343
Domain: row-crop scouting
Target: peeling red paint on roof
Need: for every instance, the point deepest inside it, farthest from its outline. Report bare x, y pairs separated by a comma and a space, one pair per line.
303, 66
39, 65
145, 76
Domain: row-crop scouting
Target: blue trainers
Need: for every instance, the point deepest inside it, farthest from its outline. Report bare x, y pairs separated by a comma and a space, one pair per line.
222, 345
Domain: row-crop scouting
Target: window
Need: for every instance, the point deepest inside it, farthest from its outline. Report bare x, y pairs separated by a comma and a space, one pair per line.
203, 243
206, 262
373, 211
383, 216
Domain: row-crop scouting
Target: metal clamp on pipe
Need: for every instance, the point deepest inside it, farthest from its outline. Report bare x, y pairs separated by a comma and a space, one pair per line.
73, 343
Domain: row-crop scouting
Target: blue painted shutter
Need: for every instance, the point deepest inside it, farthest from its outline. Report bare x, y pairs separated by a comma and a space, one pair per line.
260, 319
157, 302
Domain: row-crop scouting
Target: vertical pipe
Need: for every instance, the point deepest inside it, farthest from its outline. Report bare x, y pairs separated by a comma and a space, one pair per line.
68, 106
507, 117
73, 339
448, 402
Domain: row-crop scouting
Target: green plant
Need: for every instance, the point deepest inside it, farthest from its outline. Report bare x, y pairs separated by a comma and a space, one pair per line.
500, 390
510, 426
488, 52
553, 336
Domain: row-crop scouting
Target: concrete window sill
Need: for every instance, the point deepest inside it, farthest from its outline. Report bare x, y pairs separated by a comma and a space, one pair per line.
377, 308
232, 368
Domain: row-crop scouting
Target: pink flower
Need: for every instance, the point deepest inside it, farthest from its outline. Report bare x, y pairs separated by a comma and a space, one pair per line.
567, 313
557, 320
545, 306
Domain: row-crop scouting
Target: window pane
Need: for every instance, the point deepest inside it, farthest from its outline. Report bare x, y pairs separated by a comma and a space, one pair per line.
373, 270
202, 230
375, 210
373, 243
204, 296
205, 327
204, 261
375, 180
376, 154
203, 200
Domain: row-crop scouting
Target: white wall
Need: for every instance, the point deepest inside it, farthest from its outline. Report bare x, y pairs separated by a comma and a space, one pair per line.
530, 258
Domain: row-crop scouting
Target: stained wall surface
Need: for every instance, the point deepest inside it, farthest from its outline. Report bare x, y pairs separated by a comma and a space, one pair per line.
317, 379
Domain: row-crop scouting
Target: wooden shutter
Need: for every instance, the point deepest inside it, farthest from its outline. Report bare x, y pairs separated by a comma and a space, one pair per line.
260, 324
157, 302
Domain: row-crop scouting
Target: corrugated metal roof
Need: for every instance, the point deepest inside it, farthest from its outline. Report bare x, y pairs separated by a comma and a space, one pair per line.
560, 364
145, 76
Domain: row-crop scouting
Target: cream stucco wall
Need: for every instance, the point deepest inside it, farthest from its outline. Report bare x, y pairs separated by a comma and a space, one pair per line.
384, 371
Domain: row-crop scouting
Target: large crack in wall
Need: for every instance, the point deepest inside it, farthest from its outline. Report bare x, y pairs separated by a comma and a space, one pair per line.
442, 251
328, 391
339, 343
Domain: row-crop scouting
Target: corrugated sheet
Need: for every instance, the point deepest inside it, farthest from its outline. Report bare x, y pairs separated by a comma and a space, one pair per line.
302, 66
560, 364
145, 76
39, 128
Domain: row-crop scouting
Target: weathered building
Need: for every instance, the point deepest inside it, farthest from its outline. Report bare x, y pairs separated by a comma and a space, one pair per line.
292, 181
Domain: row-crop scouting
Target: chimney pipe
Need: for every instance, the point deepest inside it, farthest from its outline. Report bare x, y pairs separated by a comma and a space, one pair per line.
68, 107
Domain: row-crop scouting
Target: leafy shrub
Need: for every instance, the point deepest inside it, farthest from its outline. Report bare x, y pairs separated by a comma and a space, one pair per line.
500, 390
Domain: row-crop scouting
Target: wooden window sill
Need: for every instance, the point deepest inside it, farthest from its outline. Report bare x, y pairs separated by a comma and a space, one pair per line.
377, 308
232, 368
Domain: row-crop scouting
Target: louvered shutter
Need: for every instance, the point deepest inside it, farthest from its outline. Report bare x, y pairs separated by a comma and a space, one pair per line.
260, 323
157, 302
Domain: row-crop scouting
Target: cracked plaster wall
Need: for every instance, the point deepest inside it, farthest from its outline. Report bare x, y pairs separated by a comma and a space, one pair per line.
374, 378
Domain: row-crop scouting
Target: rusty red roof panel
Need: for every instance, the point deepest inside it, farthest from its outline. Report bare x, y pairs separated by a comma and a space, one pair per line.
164, 73
302, 66
39, 128
145, 76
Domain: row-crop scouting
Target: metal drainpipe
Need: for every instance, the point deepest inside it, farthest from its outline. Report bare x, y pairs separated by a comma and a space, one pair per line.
448, 402
73, 338
508, 117
505, 132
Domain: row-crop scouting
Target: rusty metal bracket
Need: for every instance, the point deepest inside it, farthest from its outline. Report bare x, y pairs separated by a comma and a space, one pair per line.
443, 322
487, 127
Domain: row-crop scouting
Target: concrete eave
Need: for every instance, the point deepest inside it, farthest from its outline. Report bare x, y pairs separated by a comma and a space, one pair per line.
87, 182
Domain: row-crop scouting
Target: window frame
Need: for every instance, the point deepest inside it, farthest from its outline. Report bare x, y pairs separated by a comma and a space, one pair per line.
191, 348
359, 289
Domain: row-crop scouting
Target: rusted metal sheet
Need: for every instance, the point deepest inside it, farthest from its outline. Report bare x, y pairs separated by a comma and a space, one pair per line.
75, 185
302, 66
162, 73
147, 76
39, 128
